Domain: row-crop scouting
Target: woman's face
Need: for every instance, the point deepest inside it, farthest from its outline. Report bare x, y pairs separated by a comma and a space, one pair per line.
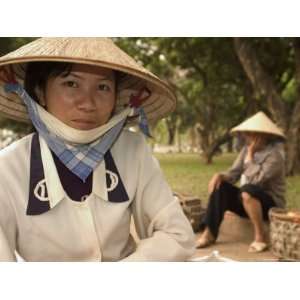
249, 137
253, 137
84, 99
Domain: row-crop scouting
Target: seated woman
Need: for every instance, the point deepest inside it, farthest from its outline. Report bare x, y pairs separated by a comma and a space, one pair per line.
260, 166
68, 192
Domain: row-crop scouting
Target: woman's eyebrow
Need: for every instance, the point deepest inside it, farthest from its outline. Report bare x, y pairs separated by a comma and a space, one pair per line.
99, 77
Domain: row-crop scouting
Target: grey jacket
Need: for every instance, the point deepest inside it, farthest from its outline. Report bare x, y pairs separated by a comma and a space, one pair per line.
266, 170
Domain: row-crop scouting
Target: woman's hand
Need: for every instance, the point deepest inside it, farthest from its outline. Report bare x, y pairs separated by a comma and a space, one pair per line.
215, 182
256, 143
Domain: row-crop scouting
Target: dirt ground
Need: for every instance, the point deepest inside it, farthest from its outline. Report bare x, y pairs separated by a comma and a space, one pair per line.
235, 236
235, 250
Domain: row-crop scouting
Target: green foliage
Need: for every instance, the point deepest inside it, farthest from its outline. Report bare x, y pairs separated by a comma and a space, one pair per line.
8, 44
212, 88
206, 74
289, 94
277, 57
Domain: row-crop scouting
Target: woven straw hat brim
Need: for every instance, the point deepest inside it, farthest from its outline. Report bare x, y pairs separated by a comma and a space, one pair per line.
94, 51
259, 123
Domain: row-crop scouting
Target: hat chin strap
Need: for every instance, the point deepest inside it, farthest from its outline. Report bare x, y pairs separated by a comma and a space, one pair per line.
76, 136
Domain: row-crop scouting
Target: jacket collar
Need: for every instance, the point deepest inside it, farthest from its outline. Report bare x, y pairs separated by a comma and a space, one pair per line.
107, 183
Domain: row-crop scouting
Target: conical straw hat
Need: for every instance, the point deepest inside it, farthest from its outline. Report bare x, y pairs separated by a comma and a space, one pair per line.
96, 51
259, 123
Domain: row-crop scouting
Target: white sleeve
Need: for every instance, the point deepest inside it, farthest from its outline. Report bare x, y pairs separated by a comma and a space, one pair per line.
165, 233
6, 253
7, 226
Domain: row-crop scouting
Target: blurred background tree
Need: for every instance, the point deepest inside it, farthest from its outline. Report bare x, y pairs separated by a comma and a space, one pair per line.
272, 66
221, 81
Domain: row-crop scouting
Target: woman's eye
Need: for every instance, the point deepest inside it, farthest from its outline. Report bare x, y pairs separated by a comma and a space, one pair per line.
71, 84
104, 87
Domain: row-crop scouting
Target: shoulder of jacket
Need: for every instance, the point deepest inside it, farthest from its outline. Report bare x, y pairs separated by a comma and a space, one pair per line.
132, 138
16, 147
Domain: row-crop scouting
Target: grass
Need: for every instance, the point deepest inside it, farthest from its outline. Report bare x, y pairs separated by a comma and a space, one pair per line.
188, 174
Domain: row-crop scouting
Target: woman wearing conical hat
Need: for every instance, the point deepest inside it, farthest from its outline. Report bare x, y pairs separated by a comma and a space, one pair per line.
260, 167
68, 191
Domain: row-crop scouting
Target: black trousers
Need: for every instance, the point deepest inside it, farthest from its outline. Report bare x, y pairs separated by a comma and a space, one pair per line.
228, 197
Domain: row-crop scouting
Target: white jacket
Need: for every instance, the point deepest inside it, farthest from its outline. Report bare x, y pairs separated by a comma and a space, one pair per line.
95, 229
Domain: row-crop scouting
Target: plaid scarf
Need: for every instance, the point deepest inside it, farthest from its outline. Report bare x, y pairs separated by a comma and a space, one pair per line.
81, 159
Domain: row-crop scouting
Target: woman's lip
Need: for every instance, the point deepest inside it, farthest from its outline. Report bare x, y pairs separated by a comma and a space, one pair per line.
83, 121
83, 124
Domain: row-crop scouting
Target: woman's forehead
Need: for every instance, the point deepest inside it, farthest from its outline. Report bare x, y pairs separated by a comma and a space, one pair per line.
252, 134
93, 70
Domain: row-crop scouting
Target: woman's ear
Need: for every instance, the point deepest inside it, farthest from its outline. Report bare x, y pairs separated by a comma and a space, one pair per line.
41, 96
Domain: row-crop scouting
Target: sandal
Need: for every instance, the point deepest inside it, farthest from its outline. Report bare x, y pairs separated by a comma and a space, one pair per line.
257, 247
204, 242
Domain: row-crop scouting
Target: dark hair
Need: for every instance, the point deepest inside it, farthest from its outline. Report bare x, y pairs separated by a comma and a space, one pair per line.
38, 73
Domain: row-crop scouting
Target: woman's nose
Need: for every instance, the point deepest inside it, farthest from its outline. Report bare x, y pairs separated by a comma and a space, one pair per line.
86, 102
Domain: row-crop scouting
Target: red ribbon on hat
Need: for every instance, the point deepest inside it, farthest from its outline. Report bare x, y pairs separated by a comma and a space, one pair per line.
137, 100
7, 75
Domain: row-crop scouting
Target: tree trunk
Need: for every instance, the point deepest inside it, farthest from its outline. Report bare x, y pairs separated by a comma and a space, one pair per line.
179, 142
292, 147
289, 121
193, 138
171, 135
208, 158
261, 81
230, 146
171, 127
209, 145
293, 139
204, 143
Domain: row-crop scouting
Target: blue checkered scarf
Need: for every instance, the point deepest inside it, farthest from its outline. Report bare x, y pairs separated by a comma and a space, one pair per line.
81, 159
